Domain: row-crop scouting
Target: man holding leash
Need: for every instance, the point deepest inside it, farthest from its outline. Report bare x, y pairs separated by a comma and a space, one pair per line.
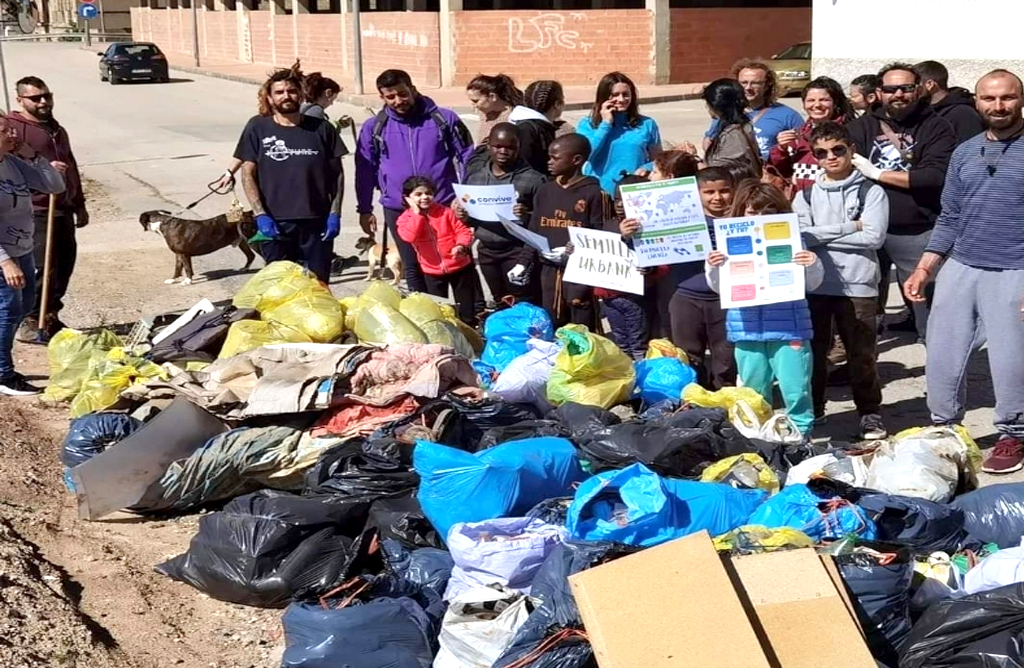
293, 178
35, 126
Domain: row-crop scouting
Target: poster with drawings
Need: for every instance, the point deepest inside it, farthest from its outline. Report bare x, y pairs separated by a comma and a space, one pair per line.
673, 228
760, 268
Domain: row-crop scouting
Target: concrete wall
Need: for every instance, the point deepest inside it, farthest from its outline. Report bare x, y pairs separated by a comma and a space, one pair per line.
957, 33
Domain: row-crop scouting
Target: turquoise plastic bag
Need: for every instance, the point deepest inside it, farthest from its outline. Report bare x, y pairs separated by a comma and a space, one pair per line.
798, 507
506, 333
662, 378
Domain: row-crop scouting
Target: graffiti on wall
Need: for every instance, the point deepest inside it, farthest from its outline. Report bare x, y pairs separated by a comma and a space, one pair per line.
400, 37
546, 31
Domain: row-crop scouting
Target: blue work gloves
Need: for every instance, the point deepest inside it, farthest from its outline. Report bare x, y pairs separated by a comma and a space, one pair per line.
267, 226
333, 227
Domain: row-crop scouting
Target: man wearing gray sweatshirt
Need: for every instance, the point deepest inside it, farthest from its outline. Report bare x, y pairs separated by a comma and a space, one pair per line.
844, 218
22, 171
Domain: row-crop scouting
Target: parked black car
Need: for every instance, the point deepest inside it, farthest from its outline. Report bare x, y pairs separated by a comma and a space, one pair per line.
133, 61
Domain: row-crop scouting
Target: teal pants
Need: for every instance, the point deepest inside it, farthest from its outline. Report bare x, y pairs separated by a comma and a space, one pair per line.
760, 363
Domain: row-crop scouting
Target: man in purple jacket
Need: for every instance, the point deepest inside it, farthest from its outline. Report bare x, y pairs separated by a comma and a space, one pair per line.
411, 136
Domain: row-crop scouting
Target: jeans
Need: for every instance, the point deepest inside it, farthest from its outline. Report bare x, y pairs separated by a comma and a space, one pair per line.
628, 323
301, 241
760, 363
14, 306
855, 322
62, 260
414, 281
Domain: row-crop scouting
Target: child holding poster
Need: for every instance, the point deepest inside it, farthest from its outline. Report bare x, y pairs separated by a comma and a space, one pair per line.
773, 342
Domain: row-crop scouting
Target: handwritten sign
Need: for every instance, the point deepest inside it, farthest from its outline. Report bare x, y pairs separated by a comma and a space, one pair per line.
487, 202
601, 260
673, 227
760, 268
529, 238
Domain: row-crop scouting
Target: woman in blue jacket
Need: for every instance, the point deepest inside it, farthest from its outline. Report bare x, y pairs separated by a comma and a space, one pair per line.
621, 139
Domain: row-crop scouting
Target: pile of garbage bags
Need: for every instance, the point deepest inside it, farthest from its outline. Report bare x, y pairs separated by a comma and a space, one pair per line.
413, 493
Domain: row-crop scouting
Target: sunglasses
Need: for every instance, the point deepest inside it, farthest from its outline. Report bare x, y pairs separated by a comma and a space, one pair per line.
837, 151
37, 98
906, 88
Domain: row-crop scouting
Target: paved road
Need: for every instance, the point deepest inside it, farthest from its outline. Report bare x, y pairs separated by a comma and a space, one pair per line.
149, 146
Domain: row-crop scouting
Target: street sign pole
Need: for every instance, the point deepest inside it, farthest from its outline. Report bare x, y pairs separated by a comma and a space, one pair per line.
3, 77
195, 31
88, 34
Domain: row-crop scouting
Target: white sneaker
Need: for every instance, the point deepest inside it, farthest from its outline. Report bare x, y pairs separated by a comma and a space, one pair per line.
15, 385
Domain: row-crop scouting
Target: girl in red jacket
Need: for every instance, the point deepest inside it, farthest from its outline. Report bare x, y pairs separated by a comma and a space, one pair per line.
442, 245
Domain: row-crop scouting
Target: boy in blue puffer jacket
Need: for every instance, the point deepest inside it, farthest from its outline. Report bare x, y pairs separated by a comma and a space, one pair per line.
773, 342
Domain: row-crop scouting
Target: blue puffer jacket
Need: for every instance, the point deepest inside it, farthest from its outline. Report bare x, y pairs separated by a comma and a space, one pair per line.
788, 321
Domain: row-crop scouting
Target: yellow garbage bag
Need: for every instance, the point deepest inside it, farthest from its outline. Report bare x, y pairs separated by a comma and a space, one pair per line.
589, 369
72, 354
473, 336
421, 309
383, 325
246, 335
351, 305
728, 398
117, 373
665, 348
754, 539
382, 293
747, 470
314, 312
446, 334
273, 285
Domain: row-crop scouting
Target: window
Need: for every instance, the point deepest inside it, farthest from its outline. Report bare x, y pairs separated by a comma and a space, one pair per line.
796, 52
139, 50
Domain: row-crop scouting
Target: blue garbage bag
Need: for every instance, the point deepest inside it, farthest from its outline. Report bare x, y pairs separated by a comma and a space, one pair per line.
90, 435
392, 632
661, 379
506, 333
798, 507
504, 481
636, 506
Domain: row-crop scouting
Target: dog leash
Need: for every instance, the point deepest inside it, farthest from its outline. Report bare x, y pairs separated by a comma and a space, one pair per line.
213, 191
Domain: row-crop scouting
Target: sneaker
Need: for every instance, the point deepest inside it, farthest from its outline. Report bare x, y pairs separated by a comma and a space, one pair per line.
54, 325
29, 330
1006, 457
872, 428
15, 385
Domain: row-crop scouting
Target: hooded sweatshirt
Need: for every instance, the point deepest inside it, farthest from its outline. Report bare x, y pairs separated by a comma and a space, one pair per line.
20, 178
414, 146
51, 141
829, 227
524, 179
958, 108
928, 142
536, 132
582, 204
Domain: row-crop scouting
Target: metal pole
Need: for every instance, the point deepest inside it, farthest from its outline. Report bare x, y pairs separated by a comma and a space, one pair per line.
88, 33
195, 32
103, 19
357, 47
3, 77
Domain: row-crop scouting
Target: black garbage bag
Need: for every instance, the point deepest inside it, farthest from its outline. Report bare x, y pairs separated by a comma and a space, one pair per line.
919, 524
425, 572
364, 470
90, 435
402, 519
521, 430
680, 445
581, 419
201, 339
269, 547
994, 514
881, 596
557, 614
983, 630
477, 417
661, 409
552, 511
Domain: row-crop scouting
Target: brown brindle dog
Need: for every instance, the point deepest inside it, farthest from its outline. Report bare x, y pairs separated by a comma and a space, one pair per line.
190, 238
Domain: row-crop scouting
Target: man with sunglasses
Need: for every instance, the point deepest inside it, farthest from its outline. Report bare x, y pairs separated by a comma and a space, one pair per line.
843, 218
35, 126
904, 146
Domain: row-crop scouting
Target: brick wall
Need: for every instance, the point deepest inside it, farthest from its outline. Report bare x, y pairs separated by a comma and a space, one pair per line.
320, 44
262, 36
706, 42
407, 41
220, 35
573, 47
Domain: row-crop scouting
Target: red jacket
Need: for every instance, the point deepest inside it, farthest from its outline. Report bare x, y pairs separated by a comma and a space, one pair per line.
434, 236
51, 141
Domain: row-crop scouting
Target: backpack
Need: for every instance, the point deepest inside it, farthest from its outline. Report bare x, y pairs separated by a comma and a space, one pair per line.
201, 339
862, 197
445, 132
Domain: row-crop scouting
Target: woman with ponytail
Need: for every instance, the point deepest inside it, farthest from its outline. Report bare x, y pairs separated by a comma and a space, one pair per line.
539, 121
320, 93
493, 97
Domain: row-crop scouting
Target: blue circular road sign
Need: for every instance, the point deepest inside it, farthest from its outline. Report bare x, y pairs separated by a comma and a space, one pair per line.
88, 12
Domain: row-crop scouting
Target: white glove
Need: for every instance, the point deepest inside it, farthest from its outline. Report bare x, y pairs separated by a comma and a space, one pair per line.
517, 275
555, 255
865, 167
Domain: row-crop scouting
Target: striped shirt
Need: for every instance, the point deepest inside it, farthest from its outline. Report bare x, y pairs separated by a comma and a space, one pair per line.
982, 220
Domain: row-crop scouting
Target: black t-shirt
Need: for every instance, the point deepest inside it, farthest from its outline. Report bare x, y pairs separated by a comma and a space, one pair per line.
297, 167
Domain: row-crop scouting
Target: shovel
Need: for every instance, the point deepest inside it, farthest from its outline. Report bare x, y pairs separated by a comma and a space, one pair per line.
44, 296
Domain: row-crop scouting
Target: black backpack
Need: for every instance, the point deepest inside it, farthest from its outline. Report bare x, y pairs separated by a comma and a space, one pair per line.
862, 196
445, 131
201, 339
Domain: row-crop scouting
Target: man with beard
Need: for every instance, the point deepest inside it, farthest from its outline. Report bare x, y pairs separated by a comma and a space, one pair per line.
293, 178
905, 147
35, 125
979, 243
956, 105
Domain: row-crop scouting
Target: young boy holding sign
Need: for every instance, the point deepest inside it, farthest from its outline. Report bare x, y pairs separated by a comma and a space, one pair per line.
773, 342
571, 200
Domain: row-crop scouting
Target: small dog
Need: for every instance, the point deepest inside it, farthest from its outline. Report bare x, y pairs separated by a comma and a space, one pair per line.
190, 238
368, 246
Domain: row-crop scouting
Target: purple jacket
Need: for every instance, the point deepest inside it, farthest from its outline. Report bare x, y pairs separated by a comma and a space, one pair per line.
413, 146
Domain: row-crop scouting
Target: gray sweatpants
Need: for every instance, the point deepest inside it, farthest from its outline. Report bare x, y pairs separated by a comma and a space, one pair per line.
974, 307
905, 251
